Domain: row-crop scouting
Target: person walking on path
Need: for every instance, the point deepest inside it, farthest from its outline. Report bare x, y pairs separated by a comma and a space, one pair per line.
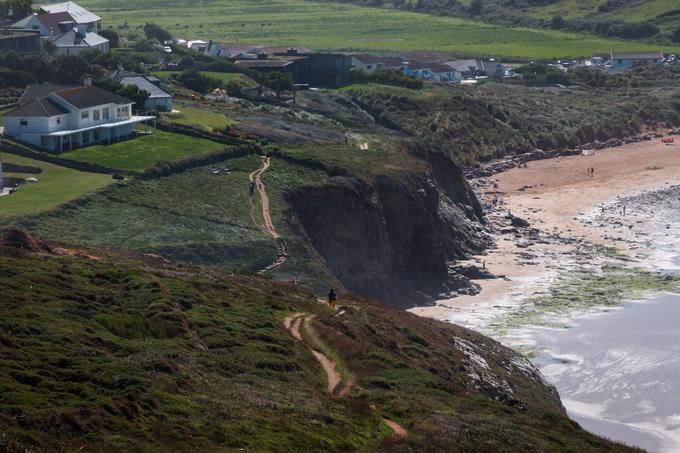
252, 188
332, 298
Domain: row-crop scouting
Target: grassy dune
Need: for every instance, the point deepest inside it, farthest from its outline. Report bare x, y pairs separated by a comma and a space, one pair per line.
345, 27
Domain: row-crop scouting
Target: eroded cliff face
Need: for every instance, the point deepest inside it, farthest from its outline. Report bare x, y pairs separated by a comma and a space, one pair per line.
391, 237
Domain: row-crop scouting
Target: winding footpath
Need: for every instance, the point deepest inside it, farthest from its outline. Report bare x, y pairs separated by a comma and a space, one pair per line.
293, 323
268, 225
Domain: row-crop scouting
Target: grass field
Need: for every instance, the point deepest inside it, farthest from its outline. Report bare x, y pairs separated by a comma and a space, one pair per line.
56, 185
194, 216
337, 26
202, 119
141, 153
224, 77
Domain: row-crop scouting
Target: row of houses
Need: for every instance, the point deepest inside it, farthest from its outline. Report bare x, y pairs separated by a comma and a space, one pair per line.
68, 26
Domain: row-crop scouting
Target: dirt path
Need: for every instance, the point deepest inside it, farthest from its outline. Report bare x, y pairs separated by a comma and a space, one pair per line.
399, 430
293, 323
268, 225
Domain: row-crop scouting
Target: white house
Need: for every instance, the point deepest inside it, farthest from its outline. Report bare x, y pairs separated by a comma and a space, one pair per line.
69, 37
158, 99
367, 63
626, 60
75, 40
198, 45
81, 15
48, 24
474, 68
58, 118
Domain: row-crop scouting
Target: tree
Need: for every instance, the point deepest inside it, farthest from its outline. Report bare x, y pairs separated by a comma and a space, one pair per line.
557, 22
134, 93
196, 81
16, 8
70, 68
675, 36
476, 7
278, 81
153, 31
112, 36
187, 62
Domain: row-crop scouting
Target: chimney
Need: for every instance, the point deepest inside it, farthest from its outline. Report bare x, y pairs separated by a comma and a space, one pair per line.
87, 82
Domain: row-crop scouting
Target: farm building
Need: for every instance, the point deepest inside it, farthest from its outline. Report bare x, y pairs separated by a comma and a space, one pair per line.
58, 118
626, 60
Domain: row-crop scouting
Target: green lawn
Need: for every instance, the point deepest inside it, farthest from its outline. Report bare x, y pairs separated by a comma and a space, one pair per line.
224, 77
338, 26
141, 153
202, 119
56, 185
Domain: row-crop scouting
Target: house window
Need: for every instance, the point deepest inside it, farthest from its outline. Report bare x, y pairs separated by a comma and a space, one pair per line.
105, 113
44, 141
95, 115
58, 120
84, 115
23, 122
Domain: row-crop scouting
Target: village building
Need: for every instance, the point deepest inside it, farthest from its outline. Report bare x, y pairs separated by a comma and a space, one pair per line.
76, 40
317, 70
432, 71
22, 42
621, 61
69, 34
58, 118
80, 15
367, 63
158, 100
475, 68
251, 51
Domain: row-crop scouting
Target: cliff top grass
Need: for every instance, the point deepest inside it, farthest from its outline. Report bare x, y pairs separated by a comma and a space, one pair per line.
341, 26
206, 120
57, 185
142, 152
120, 353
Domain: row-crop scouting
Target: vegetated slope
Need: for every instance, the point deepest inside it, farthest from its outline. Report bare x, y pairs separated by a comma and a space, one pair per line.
493, 119
109, 352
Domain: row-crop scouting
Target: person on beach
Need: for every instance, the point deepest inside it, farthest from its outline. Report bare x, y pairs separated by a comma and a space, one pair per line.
332, 298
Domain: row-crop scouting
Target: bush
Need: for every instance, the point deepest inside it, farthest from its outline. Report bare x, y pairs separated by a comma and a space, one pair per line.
675, 36
112, 36
194, 80
153, 31
389, 77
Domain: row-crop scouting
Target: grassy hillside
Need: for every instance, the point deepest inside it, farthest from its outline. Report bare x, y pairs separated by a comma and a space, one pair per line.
142, 152
341, 26
57, 185
114, 353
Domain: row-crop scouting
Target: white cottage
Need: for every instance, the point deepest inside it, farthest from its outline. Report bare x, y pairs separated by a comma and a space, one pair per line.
58, 118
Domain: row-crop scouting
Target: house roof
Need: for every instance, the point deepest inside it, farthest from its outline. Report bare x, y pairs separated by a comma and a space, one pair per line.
41, 106
50, 21
72, 38
657, 54
419, 65
283, 49
368, 58
33, 92
441, 68
90, 96
393, 62
265, 63
423, 57
143, 84
80, 14
464, 65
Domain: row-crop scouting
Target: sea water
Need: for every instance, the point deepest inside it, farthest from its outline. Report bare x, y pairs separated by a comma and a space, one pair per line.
619, 372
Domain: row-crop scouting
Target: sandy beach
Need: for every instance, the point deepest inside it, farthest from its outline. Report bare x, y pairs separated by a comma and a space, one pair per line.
550, 194
613, 362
